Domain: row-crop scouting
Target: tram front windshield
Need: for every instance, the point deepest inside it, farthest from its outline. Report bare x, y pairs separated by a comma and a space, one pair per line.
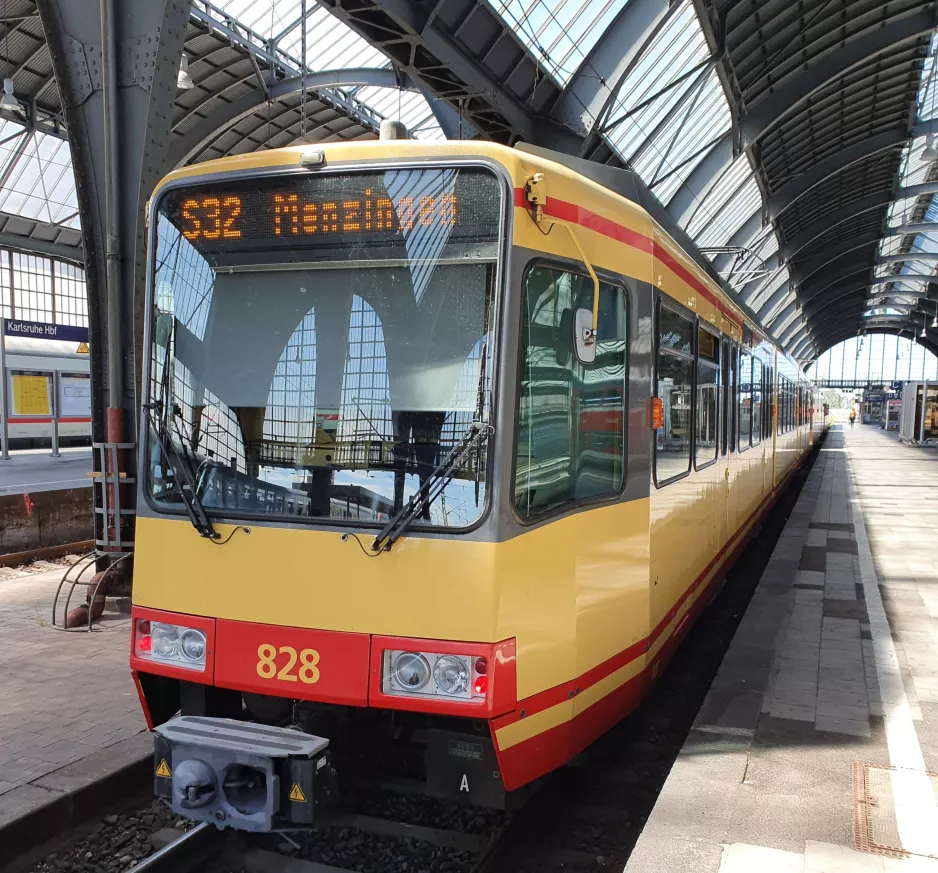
321, 342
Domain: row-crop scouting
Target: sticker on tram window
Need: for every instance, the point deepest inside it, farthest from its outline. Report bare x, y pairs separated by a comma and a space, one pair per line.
285, 664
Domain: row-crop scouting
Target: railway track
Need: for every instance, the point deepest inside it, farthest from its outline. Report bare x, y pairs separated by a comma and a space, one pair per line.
205, 848
16, 564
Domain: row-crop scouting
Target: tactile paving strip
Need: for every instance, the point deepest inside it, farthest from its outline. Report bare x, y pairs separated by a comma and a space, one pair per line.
874, 811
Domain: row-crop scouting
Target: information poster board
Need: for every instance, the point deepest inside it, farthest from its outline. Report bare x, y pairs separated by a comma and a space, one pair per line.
75, 401
32, 394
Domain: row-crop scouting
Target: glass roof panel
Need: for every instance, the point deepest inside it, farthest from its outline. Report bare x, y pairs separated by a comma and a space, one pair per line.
40, 182
757, 262
675, 151
899, 211
711, 221
927, 93
410, 107
913, 169
560, 33
670, 107
890, 245
330, 45
773, 283
656, 81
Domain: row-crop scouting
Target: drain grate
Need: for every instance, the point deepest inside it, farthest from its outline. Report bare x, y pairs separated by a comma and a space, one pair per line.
874, 810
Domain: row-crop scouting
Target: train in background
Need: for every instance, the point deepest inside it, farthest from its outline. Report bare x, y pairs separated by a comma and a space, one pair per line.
43, 375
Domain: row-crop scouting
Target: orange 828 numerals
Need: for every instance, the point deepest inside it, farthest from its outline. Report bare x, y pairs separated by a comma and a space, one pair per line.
308, 671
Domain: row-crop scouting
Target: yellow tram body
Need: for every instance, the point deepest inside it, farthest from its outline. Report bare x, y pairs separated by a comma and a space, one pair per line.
595, 598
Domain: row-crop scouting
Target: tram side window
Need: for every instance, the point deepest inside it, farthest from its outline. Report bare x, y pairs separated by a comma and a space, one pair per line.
784, 403
571, 423
782, 424
769, 395
733, 423
768, 392
727, 398
708, 389
745, 400
675, 386
756, 401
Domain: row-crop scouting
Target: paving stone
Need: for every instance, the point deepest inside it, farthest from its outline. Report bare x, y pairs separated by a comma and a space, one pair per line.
796, 713
833, 709
828, 858
60, 688
851, 727
742, 858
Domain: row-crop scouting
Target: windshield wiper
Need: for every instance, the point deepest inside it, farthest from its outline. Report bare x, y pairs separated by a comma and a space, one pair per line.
182, 473
432, 487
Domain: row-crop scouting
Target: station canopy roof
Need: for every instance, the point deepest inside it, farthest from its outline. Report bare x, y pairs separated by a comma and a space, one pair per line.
791, 141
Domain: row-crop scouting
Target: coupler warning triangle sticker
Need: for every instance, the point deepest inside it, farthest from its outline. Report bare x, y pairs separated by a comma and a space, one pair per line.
163, 770
296, 793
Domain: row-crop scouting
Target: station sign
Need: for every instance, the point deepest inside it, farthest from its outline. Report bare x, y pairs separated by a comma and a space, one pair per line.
44, 330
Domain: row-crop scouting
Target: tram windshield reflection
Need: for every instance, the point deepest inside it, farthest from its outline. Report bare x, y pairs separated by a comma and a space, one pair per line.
319, 375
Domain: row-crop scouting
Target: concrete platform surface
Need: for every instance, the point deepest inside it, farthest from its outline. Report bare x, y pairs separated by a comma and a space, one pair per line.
816, 749
31, 470
69, 713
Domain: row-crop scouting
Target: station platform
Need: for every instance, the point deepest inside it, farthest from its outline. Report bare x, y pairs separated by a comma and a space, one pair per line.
31, 470
71, 727
816, 748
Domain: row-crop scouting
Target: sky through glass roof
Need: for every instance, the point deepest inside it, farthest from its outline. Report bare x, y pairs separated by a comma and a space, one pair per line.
560, 33
330, 45
39, 180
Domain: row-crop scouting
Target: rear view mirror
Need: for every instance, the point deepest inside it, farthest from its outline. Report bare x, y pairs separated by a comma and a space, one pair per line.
584, 340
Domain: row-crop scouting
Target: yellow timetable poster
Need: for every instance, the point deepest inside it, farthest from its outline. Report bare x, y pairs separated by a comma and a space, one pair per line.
31, 395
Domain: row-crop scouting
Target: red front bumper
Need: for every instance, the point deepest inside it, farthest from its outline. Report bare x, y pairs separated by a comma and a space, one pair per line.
323, 666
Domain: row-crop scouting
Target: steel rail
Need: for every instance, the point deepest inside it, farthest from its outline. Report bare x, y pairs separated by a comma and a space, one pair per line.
186, 853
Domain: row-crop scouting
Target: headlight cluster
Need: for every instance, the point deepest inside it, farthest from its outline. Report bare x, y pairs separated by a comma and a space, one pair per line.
169, 643
426, 673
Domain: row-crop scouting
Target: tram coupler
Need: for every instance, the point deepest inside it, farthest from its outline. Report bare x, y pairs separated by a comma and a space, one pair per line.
239, 774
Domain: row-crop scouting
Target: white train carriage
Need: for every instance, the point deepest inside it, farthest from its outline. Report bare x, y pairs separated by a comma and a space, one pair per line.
44, 377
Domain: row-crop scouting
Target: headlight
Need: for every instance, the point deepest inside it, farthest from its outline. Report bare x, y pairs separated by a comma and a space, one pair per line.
192, 643
165, 639
411, 671
160, 641
451, 675
422, 674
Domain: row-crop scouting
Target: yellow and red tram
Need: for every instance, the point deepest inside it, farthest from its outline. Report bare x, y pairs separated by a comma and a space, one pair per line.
489, 436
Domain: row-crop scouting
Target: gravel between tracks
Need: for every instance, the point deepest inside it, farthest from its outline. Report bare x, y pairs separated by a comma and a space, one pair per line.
113, 844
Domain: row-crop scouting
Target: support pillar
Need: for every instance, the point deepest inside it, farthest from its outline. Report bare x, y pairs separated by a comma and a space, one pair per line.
148, 43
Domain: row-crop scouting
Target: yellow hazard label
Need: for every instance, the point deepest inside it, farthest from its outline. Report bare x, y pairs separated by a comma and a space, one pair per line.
82, 349
163, 770
296, 793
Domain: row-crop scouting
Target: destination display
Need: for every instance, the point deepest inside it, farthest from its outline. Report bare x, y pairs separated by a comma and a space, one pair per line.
456, 205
